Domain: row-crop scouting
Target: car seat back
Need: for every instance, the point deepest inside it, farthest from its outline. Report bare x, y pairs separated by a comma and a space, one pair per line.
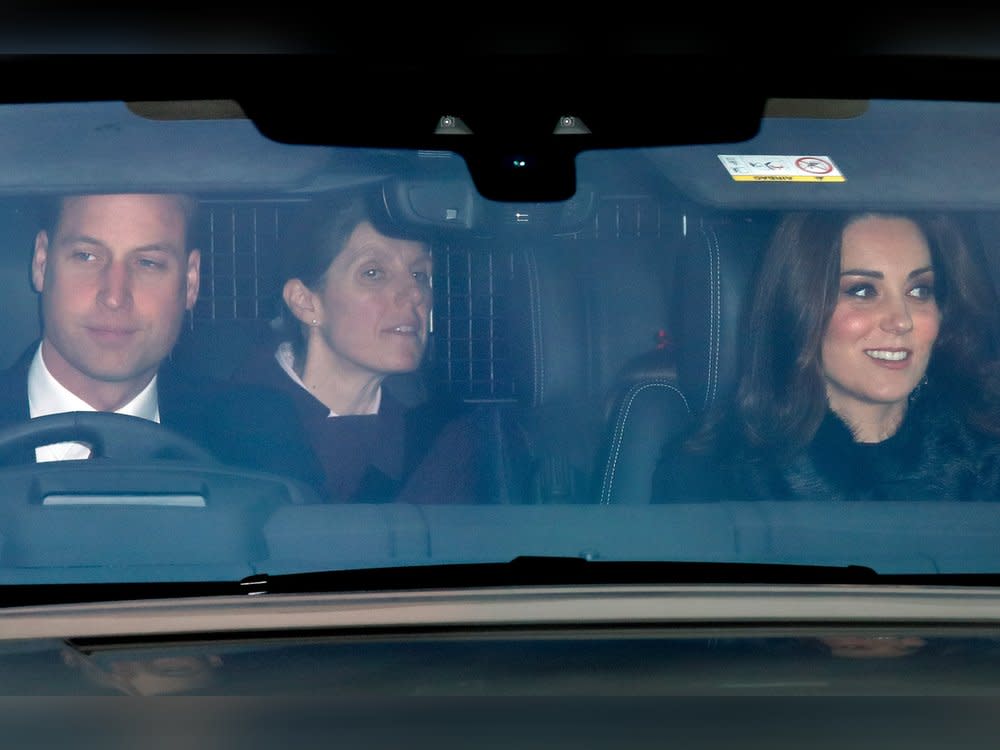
661, 395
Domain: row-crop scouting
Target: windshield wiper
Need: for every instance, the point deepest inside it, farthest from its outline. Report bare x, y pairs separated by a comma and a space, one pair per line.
554, 571
521, 571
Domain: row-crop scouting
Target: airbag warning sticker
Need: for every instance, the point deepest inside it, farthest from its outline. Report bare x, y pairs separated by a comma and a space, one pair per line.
753, 168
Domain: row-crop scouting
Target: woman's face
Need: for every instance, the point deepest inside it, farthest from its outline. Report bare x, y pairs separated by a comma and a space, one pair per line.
374, 305
879, 340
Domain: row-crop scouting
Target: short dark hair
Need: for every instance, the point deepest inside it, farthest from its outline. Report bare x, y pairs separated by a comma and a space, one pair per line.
319, 231
316, 234
51, 208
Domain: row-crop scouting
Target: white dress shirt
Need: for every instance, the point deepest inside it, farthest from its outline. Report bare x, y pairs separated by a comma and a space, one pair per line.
46, 395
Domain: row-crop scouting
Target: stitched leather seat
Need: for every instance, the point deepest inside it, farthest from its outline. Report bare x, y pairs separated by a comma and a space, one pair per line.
581, 311
659, 397
643, 414
548, 344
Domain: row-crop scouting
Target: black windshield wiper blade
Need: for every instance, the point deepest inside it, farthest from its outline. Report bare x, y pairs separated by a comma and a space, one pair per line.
553, 571
40, 594
521, 571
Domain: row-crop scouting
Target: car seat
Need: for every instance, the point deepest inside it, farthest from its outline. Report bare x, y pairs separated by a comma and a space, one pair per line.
548, 348
661, 395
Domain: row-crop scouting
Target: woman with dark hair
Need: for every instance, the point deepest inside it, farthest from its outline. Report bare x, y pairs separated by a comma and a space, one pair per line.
869, 371
356, 313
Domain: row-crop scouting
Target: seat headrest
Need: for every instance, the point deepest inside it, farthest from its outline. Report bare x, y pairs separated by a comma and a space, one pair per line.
715, 274
548, 334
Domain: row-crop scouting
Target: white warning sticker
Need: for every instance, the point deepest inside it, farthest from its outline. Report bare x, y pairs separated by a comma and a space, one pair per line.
775, 168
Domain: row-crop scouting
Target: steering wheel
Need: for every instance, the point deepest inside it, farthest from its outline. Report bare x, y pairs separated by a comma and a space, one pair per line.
119, 437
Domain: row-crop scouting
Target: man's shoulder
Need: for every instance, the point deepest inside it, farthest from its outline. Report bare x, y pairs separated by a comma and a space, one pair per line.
242, 423
172, 380
14, 373
207, 398
14, 388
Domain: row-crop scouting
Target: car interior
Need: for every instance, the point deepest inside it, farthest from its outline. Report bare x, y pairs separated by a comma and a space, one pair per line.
589, 330
596, 223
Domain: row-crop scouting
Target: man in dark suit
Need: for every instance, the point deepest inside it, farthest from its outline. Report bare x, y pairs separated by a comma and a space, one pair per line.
116, 274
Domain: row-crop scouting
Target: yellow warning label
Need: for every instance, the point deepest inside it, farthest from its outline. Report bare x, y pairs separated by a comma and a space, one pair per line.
781, 168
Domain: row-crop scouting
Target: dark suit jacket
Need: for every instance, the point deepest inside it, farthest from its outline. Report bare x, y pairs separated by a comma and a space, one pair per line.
242, 425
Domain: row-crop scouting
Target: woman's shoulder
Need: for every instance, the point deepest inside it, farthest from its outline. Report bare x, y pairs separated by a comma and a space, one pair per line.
941, 421
701, 465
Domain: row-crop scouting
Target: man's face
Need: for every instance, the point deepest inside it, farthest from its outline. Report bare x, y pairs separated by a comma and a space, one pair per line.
115, 281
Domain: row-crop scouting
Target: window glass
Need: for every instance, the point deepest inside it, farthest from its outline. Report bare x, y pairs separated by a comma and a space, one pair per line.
780, 349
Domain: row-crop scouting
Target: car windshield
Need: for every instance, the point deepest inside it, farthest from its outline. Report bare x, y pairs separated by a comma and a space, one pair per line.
761, 338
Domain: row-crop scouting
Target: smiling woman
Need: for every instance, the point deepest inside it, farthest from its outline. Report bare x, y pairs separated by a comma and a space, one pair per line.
871, 372
878, 342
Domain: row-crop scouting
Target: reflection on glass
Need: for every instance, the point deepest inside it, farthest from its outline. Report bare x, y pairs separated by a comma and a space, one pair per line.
161, 675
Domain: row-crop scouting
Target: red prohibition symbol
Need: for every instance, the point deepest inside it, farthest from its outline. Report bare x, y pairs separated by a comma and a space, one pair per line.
814, 165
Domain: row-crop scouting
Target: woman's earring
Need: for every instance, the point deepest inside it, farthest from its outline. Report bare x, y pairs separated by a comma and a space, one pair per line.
314, 322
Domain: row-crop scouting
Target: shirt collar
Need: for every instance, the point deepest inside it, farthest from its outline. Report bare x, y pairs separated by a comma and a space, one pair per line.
46, 395
286, 358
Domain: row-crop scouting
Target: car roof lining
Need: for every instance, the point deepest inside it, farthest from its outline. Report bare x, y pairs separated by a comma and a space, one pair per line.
903, 153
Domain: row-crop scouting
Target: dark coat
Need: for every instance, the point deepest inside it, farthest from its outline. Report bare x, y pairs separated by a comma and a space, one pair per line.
436, 451
934, 455
241, 425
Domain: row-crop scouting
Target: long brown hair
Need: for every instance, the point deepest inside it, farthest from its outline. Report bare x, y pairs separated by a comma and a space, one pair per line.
781, 394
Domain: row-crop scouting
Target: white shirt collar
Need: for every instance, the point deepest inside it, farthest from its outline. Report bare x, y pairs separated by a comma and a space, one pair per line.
286, 358
46, 395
